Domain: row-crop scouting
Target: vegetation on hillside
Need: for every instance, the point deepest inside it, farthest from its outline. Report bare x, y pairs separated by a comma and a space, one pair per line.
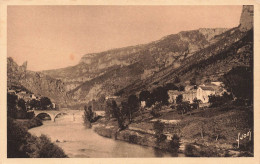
21, 144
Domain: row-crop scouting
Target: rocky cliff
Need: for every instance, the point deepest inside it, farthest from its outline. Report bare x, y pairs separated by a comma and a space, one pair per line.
35, 82
107, 72
247, 18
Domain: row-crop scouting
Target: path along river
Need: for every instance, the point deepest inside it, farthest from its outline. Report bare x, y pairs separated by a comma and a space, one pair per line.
70, 134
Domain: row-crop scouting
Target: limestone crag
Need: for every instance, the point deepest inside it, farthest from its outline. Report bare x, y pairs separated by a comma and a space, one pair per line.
247, 18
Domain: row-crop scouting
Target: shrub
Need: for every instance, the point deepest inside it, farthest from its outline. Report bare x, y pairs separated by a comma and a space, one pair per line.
49, 150
21, 144
133, 139
32, 123
175, 143
191, 151
158, 128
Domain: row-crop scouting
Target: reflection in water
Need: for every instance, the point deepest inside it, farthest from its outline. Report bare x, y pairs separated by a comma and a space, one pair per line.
77, 141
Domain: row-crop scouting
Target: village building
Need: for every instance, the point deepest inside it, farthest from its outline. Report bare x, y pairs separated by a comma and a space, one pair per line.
11, 92
143, 104
173, 94
53, 105
111, 97
32, 96
189, 96
23, 95
203, 93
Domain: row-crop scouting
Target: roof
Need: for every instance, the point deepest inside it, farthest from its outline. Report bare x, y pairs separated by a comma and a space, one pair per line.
174, 92
206, 88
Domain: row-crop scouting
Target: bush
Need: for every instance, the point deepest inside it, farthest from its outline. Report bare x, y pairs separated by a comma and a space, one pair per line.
32, 123
191, 151
49, 150
21, 144
175, 143
158, 128
133, 139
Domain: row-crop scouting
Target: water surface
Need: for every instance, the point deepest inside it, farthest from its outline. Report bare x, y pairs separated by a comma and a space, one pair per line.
77, 141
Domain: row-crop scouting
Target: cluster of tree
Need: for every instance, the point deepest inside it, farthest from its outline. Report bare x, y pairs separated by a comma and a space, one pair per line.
217, 100
21, 144
126, 111
184, 107
174, 144
239, 81
19, 108
158, 128
42, 104
159, 94
16, 108
89, 116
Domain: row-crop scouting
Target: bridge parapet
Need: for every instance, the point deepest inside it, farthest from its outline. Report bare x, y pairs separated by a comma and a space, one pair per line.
53, 114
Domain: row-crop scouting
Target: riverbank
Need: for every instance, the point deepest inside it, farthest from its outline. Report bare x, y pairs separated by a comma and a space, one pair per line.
133, 136
211, 132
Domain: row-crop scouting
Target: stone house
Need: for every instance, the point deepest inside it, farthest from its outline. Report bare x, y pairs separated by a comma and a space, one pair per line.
173, 94
189, 96
143, 104
203, 93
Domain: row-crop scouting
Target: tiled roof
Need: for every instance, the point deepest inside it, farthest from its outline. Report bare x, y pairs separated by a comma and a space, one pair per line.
175, 92
207, 88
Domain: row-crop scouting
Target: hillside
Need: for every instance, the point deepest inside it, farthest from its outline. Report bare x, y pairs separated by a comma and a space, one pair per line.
107, 72
35, 82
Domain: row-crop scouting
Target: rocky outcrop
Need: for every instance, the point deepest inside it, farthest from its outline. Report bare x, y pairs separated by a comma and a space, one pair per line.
247, 18
37, 83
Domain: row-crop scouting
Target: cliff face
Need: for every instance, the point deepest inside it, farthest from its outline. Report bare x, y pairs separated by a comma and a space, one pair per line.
107, 72
35, 82
247, 18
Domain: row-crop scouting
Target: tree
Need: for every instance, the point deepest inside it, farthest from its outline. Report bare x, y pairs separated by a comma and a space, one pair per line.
34, 104
175, 143
176, 79
45, 102
118, 115
89, 116
181, 88
158, 128
179, 99
183, 107
11, 105
193, 81
161, 95
171, 86
144, 95
21, 104
196, 103
133, 106
239, 81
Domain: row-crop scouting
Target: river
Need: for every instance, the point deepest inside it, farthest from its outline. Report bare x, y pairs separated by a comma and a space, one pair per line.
78, 142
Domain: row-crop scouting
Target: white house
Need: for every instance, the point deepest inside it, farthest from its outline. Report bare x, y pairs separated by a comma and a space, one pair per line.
203, 93
189, 96
173, 94
143, 104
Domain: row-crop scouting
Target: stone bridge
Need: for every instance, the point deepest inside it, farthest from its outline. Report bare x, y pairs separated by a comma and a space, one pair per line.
53, 114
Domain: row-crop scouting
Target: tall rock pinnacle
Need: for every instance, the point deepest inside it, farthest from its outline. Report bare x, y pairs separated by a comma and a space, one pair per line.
247, 18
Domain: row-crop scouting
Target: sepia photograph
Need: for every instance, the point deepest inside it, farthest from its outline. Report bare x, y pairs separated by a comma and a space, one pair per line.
130, 81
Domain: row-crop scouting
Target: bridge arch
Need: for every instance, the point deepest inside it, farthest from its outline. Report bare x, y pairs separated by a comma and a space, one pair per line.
58, 114
46, 113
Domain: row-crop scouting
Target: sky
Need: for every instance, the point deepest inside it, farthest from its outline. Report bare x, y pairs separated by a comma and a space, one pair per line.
51, 37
